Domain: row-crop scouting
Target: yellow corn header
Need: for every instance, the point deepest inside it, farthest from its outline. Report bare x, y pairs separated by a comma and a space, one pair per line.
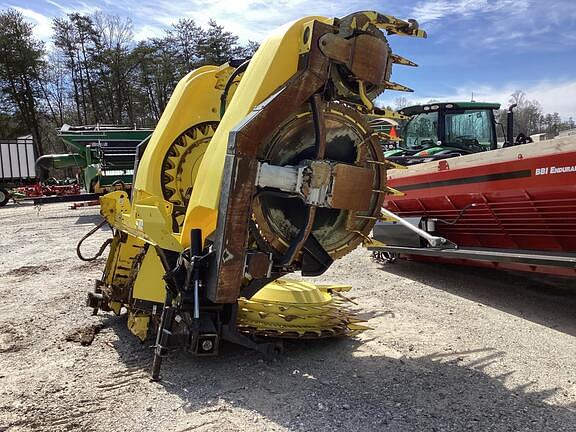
257, 169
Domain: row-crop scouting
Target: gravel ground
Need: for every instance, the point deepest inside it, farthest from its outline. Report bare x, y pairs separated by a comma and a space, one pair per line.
451, 349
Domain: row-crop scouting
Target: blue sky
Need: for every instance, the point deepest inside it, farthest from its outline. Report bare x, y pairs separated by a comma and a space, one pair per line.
489, 47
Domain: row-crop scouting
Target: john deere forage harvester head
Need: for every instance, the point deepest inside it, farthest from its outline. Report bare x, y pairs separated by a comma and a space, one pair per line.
257, 168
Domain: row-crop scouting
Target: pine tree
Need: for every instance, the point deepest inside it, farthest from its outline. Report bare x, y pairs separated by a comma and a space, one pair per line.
21, 66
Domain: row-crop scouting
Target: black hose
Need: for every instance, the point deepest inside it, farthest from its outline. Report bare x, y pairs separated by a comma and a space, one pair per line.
119, 182
102, 248
453, 222
224, 96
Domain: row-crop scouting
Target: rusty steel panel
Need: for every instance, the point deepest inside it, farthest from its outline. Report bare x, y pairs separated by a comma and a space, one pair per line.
367, 57
258, 264
336, 48
348, 181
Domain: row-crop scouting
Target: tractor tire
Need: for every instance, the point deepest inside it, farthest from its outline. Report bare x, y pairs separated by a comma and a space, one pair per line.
4, 197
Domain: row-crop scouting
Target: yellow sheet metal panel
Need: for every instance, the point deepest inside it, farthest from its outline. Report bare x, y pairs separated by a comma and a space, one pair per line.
138, 324
194, 100
149, 220
113, 205
275, 62
149, 285
290, 291
153, 219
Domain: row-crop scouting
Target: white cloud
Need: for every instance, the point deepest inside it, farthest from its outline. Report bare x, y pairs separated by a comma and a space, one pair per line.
557, 97
500, 24
143, 32
74, 7
249, 19
432, 10
42, 24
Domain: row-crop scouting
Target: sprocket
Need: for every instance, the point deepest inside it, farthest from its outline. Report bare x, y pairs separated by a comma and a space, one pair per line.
181, 164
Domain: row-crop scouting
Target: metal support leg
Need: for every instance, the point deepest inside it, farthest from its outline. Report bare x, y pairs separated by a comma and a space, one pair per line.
433, 241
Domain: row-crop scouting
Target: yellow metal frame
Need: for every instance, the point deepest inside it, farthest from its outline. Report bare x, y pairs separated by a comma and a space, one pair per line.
149, 285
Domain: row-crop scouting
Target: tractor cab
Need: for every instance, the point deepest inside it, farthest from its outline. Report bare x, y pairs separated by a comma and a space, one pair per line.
442, 130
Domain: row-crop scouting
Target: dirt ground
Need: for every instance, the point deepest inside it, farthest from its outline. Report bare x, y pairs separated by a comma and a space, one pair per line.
451, 349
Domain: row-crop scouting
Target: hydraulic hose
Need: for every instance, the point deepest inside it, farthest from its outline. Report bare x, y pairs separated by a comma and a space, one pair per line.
102, 248
224, 96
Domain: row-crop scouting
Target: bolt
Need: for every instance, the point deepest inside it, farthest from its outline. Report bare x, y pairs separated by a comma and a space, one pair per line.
207, 345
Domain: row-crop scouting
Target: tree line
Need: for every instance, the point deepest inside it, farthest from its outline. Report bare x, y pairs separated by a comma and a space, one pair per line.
94, 71
529, 117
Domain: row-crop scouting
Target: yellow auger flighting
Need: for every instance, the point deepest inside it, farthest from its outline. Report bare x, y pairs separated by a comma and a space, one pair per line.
256, 169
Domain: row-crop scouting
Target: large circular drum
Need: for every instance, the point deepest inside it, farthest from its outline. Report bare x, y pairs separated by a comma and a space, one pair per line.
279, 217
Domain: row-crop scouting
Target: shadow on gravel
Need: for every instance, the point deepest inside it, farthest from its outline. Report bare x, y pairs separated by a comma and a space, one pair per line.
330, 385
93, 219
547, 301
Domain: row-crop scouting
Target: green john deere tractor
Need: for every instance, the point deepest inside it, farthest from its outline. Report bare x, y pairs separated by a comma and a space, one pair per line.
443, 130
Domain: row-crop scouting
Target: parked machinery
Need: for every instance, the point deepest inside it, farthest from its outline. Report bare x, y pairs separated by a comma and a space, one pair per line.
256, 169
17, 168
443, 130
103, 155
